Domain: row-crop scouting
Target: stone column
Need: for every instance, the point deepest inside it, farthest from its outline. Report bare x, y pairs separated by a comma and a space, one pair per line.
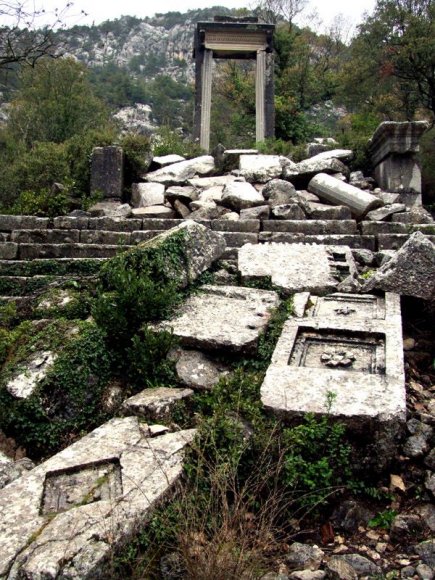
260, 95
269, 106
207, 65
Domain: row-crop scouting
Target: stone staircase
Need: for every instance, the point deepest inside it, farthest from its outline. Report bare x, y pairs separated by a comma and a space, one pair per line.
35, 252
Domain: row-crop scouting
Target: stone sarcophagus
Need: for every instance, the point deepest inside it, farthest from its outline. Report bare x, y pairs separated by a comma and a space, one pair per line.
228, 38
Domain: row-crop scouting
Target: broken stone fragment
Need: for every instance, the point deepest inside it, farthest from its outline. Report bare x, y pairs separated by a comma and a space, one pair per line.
200, 247
261, 212
186, 194
164, 160
63, 518
411, 271
336, 192
197, 370
263, 168
241, 195
179, 173
37, 367
155, 404
208, 321
383, 213
145, 194
296, 267
289, 211
112, 209
154, 211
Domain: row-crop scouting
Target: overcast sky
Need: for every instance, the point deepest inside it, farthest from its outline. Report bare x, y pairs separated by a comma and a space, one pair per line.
100, 10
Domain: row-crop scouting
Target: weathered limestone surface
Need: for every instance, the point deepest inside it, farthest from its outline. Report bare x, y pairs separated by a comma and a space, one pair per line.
262, 168
241, 195
197, 370
385, 212
63, 518
155, 404
226, 318
410, 272
37, 366
296, 267
145, 194
179, 173
351, 347
201, 247
394, 148
335, 191
165, 160
107, 171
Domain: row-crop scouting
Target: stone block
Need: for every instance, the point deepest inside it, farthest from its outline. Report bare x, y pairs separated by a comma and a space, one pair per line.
46, 236
375, 228
386, 212
394, 150
27, 222
110, 208
104, 237
200, 247
297, 267
262, 168
145, 194
180, 173
8, 251
411, 272
261, 212
50, 251
349, 352
320, 211
155, 404
164, 160
353, 241
225, 318
184, 193
143, 236
241, 195
197, 370
154, 211
159, 224
69, 222
109, 224
107, 171
289, 211
251, 225
237, 240
311, 226
213, 181
64, 518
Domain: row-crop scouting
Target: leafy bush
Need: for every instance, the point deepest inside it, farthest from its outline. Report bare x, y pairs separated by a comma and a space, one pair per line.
68, 401
137, 155
168, 141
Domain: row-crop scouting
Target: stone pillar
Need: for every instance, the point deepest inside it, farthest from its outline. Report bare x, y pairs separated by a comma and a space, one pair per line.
107, 171
260, 94
207, 66
269, 105
393, 149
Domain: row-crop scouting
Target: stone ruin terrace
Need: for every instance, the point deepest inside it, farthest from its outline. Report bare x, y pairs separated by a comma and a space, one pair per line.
310, 229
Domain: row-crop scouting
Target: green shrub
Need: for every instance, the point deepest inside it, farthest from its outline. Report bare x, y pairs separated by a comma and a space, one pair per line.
137, 156
148, 363
167, 141
68, 400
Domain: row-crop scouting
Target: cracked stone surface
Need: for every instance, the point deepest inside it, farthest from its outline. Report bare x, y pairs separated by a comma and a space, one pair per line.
297, 267
155, 403
37, 367
223, 318
64, 517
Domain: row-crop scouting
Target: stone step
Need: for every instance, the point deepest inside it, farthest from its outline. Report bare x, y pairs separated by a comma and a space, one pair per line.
35, 251
55, 267
353, 241
25, 285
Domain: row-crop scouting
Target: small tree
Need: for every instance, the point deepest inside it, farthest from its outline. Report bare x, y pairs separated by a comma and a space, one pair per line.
55, 103
23, 38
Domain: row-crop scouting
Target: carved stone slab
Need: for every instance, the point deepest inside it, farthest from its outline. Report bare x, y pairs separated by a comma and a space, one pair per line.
297, 267
63, 518
356, 358
227, 318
